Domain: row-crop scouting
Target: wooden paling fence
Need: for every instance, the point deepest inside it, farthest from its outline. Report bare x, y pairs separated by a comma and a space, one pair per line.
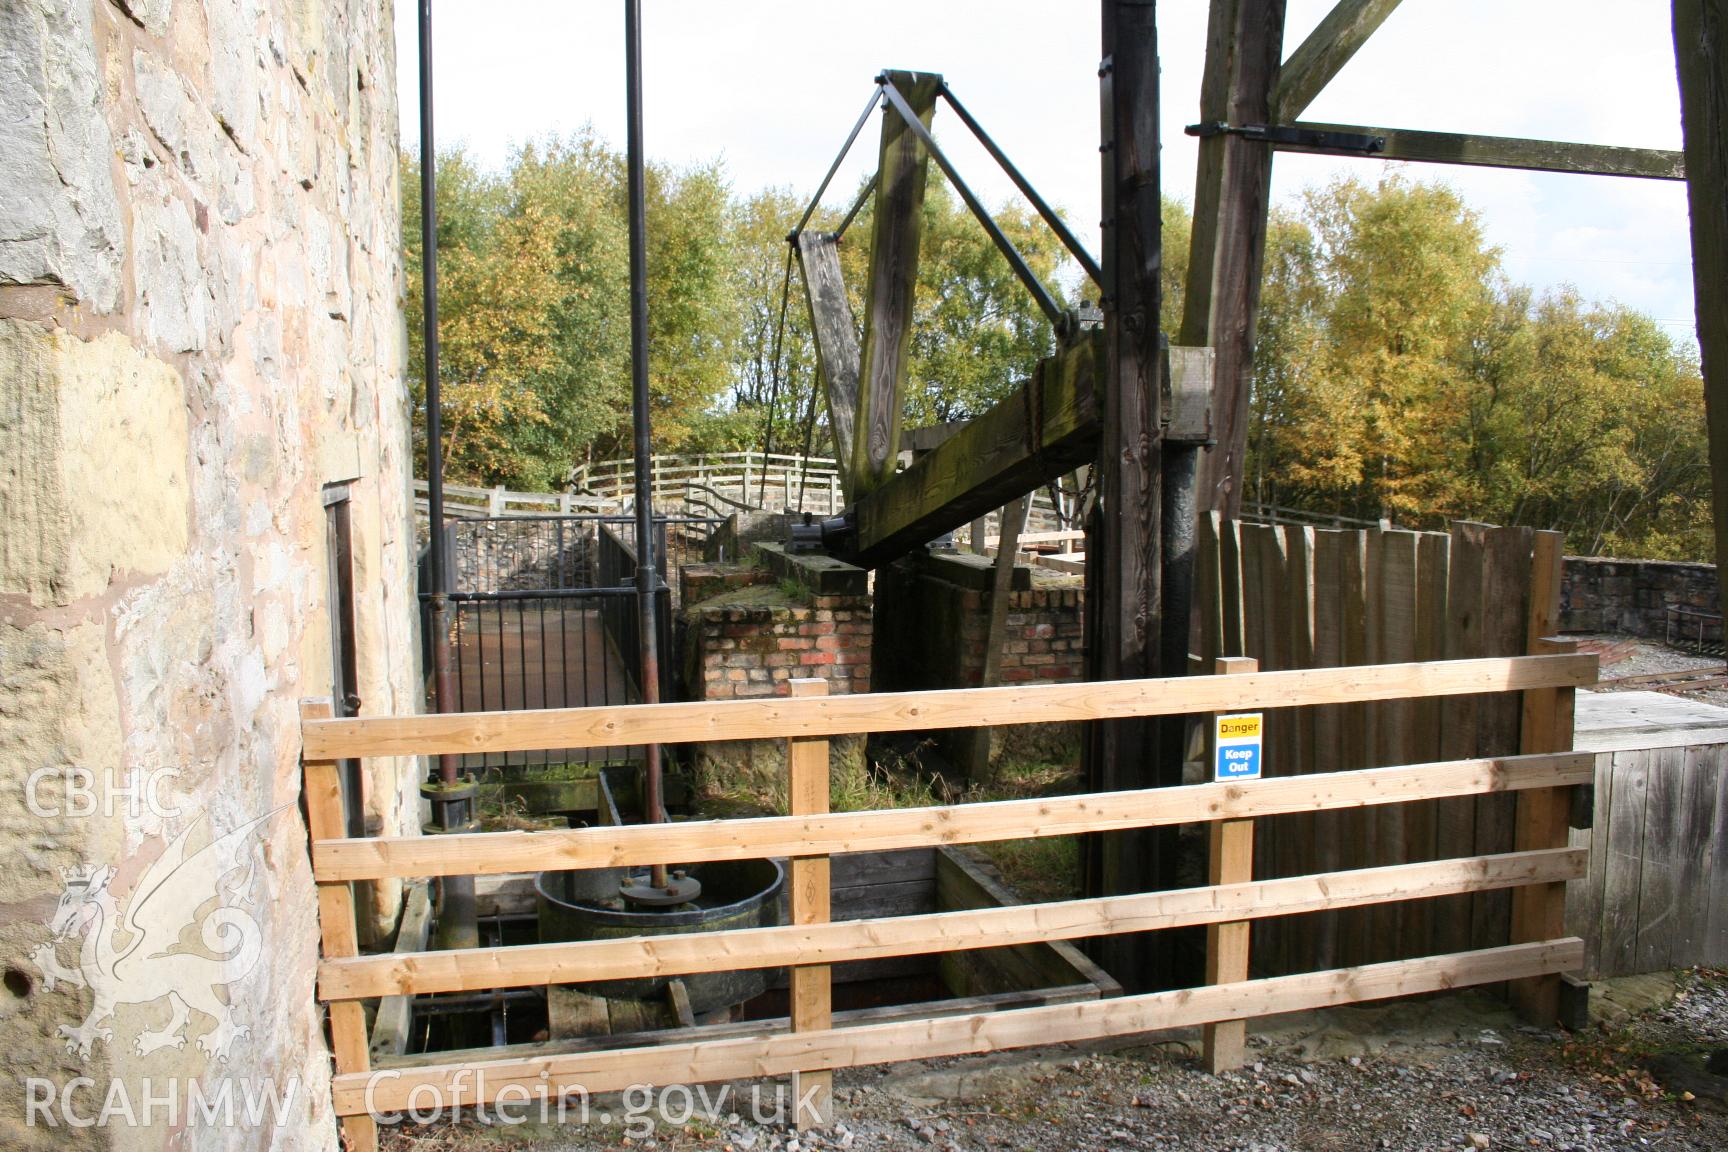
1535, 868
1303, 597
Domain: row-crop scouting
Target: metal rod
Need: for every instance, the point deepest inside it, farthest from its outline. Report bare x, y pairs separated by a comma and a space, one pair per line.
857, 206
457, 925
645, 571
863, 117
1046, 302
1056, 223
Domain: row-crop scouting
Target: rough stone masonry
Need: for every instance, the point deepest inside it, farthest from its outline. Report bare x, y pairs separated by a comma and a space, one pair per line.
200, 329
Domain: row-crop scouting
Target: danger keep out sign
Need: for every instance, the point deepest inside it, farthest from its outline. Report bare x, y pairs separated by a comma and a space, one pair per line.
1236, 740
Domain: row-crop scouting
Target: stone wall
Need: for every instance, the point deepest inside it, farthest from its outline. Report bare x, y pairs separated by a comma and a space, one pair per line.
200, 328
1602, 594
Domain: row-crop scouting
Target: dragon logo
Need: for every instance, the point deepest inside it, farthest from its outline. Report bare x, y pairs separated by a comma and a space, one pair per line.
137, 956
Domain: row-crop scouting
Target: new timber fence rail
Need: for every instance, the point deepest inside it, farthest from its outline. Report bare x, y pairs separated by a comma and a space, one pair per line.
1542, 777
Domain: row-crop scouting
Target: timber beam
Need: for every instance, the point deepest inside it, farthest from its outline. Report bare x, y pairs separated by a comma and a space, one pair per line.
836, 335
1323, 55
1503, 152
895, 230
1047, 427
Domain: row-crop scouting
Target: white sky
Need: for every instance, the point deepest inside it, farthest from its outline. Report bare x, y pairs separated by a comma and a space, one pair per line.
772, 86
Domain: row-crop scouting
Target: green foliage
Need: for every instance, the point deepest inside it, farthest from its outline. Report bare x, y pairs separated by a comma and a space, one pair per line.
1400, 374
534, 328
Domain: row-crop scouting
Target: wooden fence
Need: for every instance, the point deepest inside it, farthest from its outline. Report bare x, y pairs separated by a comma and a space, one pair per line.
1303, 597
1656, 896
1536, 867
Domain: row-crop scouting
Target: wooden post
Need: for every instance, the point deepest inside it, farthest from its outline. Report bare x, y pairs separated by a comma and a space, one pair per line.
896, 226
1541, 817
1123, 555
336, 924
1701, 55
835, 332
1227, 247
495, 502
812, 984
1009, 522
1229, 861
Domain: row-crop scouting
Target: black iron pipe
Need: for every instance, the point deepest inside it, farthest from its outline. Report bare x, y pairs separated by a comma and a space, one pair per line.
457, 926
648, 634
863, 118
1047, 213
1016, 262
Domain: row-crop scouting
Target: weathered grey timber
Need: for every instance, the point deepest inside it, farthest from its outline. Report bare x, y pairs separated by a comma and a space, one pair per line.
1508, 152
836, 333
896, 228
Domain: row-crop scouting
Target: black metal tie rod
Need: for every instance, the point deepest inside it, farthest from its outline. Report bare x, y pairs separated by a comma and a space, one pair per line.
810, 210
1046, 302
1047, 213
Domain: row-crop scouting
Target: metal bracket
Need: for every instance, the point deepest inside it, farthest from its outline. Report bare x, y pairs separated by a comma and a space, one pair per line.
1298, 137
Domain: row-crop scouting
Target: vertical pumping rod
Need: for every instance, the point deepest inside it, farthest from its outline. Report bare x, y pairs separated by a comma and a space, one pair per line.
451, 797
646, 572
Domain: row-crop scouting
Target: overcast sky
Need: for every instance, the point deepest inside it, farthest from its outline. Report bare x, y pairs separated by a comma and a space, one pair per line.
770, 87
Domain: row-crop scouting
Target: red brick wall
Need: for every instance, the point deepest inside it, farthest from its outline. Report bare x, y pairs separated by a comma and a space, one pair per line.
745, 639
1042, 639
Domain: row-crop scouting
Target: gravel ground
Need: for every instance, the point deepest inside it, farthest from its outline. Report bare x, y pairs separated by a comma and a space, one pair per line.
1647, 657
1438, 1077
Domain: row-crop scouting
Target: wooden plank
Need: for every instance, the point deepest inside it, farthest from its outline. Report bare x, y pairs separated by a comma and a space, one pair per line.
922, 1010
1393, 640
774, 1055
1338, 37
1328, 725
896, 227
337, 928
870, 869
808, 894
1659, 894
1716, 920
779, 718
1356, 746
835, 331
1584, 895
1696, 854
1506, 564
1230, 588
485, 853
1045, 427
1229, 860
1012, 520
1209, 588
1624, 864
1420, 819
395, 1011
1302, 954
975, 924
1542, 815
1455, 820
1505, 152
1244, 43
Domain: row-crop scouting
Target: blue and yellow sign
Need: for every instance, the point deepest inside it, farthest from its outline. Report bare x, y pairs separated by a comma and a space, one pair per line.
1236, 744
